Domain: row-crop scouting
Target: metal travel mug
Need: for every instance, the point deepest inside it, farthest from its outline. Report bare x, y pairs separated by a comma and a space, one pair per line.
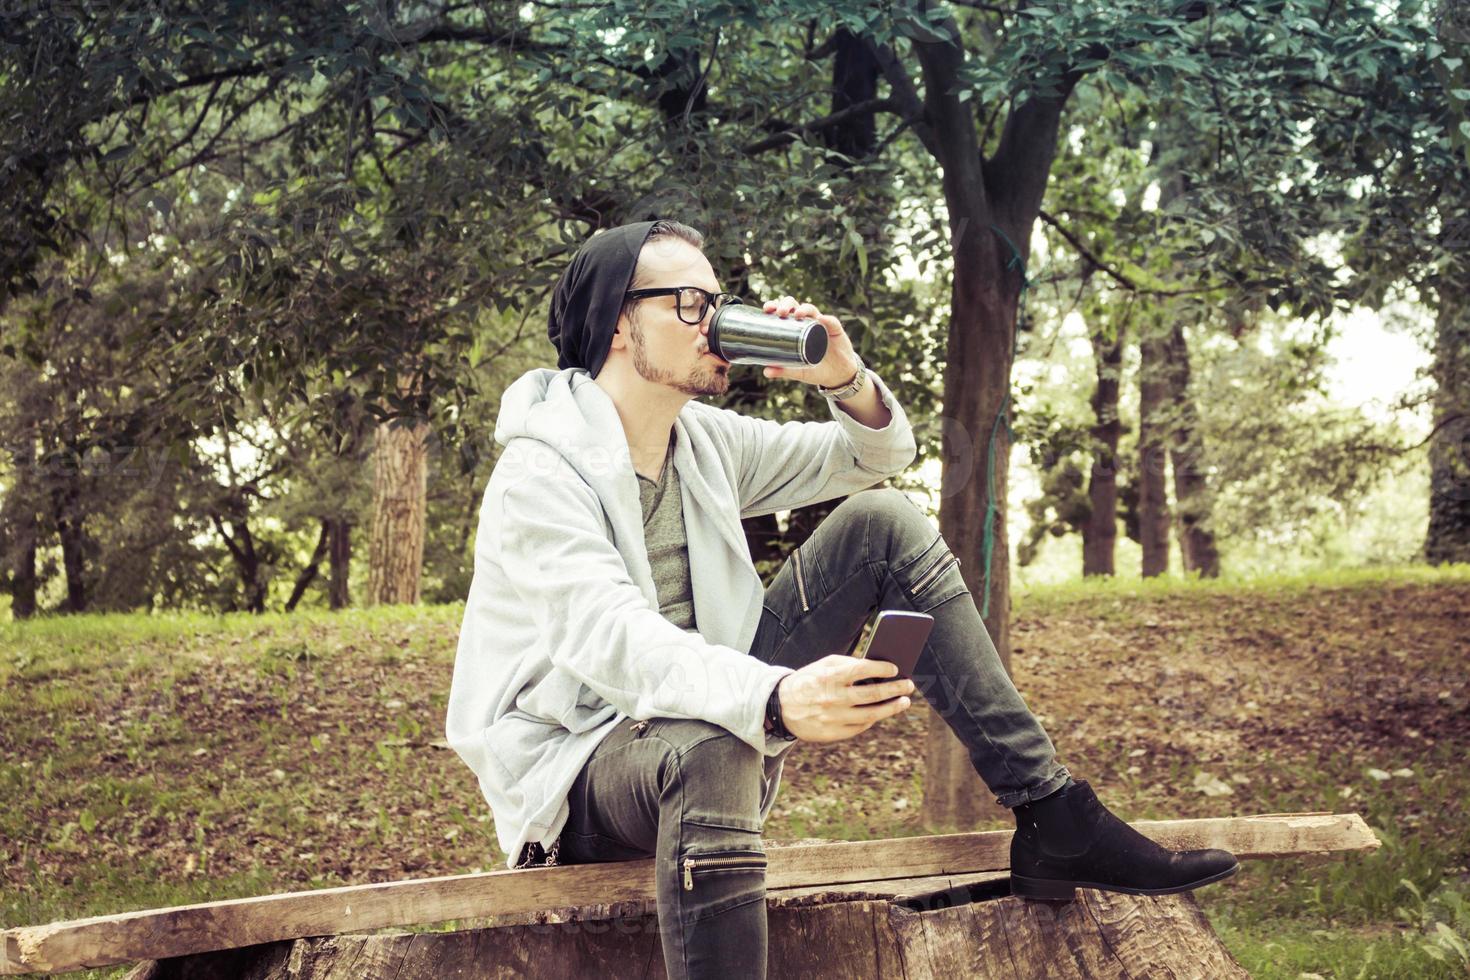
744, 335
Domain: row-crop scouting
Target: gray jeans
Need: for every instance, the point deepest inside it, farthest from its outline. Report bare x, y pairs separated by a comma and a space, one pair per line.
690, 794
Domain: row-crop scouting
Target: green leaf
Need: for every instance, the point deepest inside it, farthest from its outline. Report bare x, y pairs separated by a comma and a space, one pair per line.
1463, 94
87, 820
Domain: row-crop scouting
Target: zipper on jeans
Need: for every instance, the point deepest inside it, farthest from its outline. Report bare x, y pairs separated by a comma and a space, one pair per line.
705, 862
800, 580
940, 553
939, 568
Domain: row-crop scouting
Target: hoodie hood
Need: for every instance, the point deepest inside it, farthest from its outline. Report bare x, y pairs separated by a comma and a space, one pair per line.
553, 407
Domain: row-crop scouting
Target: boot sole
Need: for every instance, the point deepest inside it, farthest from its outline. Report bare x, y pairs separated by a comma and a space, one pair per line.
1061, 890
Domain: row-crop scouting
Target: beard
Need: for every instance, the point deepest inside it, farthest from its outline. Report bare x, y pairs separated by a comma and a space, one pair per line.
707, 377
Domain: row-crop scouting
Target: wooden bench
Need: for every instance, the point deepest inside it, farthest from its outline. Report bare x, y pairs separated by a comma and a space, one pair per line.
912, 907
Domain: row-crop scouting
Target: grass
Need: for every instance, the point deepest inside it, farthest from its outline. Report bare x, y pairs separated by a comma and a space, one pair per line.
149, 761
1402, 911
1091, 589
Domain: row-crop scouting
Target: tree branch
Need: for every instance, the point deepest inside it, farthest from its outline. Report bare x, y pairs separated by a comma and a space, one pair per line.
1092, 259
309, 573
901, 88
1087, 254
988, 8
955, 141
207, 78
787, 136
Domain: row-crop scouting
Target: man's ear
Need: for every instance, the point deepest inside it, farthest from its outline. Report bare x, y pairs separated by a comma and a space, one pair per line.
620, 332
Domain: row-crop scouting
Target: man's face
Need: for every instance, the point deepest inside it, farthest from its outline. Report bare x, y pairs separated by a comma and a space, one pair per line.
666, 350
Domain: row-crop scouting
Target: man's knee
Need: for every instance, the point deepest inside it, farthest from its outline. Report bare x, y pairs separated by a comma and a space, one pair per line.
890, 510
889, 503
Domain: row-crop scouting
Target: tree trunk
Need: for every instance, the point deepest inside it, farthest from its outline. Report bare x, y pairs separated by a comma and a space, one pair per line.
1100, 532
1153, 456
400, 494
66, 513
241, 545
1448, 536
992, 204
309, 573
960, 931
25, 530
339, 559
854, 81
23, 568
1186, 454
977, 376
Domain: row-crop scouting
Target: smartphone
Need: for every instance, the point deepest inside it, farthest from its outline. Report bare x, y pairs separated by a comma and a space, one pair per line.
894, 635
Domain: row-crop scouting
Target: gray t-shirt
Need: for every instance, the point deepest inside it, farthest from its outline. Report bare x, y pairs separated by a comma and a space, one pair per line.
668, 547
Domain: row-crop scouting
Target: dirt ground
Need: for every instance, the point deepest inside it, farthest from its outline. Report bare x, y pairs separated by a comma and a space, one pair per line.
1139, 693
287, 757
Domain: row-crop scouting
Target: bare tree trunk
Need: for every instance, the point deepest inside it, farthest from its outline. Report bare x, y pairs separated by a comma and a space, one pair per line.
1100, 531
340, 562
400, 494
1153, 456
1186, 453
1448, 535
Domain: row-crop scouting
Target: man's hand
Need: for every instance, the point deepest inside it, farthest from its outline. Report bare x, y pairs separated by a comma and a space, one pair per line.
841, 362
820, 702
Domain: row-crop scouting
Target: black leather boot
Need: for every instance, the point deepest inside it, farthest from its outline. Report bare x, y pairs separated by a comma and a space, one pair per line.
1069, 840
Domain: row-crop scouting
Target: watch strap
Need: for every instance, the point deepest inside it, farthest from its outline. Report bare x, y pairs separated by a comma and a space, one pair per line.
773, 714
851, 388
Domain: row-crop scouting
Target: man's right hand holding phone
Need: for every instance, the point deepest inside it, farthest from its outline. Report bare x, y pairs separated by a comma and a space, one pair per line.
822, 703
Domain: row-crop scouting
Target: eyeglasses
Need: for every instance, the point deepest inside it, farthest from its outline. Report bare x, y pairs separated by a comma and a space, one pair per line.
692, 302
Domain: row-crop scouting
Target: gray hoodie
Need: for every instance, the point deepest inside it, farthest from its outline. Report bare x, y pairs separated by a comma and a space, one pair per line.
562, 637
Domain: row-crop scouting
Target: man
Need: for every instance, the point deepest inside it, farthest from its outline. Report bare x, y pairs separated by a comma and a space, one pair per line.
625, 687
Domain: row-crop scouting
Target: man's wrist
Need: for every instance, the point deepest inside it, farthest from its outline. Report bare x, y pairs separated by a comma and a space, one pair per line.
775, 725
851, 387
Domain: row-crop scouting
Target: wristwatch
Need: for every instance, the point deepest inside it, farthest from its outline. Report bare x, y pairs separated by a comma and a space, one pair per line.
852, 387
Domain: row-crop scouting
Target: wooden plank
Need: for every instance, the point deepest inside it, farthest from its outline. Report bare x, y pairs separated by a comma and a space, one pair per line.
886, 889
158, 933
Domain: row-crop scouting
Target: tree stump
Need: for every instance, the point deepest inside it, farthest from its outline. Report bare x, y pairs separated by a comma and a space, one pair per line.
969, 926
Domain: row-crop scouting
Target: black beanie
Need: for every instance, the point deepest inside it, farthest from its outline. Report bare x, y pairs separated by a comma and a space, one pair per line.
589, 296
